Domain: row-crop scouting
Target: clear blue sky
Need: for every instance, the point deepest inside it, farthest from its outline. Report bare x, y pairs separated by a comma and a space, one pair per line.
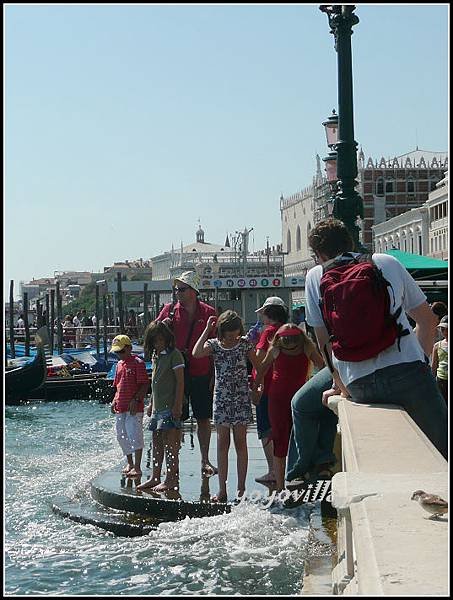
125, 124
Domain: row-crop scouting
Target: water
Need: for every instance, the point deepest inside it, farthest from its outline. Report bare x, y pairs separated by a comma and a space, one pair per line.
54, 449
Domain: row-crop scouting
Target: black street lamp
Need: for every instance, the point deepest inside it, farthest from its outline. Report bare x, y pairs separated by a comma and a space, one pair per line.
348, 203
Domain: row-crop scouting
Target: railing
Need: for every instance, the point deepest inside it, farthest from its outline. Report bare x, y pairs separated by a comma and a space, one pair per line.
79, 337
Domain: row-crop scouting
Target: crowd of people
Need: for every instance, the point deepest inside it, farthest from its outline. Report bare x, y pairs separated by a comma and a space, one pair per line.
364, 348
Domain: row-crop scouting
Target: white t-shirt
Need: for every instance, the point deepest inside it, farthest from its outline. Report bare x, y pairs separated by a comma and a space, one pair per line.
407, 294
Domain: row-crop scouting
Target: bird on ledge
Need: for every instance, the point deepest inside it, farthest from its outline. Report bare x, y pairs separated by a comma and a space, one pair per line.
433, 504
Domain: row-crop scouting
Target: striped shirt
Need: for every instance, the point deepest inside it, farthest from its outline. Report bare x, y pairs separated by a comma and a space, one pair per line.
130, 375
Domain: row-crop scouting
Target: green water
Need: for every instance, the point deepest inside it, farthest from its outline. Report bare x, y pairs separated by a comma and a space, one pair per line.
54, 449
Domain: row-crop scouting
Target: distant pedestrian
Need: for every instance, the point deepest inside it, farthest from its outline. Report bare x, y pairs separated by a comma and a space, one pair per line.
232, 401
165, 407
86, 320
439, 359
131, 323
69, 333
21, 322
440, 309
131, 385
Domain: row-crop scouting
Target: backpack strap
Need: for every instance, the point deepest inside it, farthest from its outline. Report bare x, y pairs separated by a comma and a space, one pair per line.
401, 332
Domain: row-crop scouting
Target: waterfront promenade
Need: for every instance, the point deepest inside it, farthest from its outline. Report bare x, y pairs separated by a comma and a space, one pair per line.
387, 544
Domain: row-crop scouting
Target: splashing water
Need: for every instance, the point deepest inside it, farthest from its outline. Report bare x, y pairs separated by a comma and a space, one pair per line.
55, 449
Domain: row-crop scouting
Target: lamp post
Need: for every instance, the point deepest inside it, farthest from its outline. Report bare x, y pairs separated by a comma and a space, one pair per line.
348, 203
215, 269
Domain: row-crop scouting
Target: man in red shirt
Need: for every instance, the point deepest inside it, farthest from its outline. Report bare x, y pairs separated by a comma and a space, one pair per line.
188, 318
131, 384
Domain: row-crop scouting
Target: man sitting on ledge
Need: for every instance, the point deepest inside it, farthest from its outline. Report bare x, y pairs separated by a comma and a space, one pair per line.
374, 355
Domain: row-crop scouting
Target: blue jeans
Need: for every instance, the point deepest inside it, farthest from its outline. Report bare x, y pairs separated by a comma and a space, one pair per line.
314, 427
412, 386
263, 425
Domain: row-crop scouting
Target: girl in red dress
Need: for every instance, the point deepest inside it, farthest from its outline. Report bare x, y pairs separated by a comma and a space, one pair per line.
290, 353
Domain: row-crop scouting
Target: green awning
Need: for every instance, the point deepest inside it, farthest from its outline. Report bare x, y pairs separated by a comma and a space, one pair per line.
421, 267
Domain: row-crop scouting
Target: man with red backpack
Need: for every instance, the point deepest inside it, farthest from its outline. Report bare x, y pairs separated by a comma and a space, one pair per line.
357, 306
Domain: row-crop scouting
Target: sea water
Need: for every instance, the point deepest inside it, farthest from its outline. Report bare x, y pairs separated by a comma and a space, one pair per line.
54, 449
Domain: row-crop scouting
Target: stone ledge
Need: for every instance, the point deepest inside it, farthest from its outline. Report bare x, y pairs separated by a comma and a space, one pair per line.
382, 438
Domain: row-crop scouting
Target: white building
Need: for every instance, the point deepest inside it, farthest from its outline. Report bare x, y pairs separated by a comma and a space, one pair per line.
422, 230
233, 260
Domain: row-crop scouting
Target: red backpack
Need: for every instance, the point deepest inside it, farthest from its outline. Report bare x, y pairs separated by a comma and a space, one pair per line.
355, 306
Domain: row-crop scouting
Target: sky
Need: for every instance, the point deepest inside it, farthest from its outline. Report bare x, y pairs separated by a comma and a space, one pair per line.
125, 126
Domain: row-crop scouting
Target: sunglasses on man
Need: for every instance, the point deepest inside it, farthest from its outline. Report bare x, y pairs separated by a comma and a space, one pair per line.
182, 289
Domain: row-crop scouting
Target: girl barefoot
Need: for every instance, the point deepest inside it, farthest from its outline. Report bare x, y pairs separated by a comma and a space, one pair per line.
165, 408
232, 407
290, 354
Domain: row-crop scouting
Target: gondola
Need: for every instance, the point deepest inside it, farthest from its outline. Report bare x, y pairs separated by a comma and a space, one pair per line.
89, 386
21, 381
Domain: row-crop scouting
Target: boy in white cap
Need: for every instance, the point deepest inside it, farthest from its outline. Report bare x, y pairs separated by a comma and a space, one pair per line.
131, 383
187, 319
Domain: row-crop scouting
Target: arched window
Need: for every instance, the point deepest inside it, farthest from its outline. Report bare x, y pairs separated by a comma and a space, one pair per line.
419, 239
298, 244
288, 241
404, 240
308, 233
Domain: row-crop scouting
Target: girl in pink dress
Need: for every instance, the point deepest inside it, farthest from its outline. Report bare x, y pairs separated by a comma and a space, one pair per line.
290, 354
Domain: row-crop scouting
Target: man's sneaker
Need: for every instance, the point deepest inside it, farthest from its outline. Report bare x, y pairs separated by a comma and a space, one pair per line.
297, 483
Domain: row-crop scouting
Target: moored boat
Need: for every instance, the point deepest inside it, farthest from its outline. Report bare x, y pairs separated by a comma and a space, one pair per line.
21, 381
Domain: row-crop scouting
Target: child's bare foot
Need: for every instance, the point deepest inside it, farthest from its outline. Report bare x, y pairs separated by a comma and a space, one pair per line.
134, 473
148, 484
162, 487
267, 478
221, 497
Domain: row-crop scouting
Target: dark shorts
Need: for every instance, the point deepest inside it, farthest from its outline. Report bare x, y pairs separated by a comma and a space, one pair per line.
263, 425
200, 398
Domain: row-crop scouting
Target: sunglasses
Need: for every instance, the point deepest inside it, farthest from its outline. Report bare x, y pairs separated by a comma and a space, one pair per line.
181, 289
289, 339
120, 351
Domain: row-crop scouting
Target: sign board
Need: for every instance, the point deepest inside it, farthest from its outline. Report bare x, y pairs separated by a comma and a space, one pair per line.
229, 283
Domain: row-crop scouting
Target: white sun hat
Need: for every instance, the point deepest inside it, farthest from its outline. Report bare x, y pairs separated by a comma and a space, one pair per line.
190, 278
272, 301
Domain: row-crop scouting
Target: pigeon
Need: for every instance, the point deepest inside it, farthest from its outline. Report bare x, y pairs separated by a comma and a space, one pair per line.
433, 504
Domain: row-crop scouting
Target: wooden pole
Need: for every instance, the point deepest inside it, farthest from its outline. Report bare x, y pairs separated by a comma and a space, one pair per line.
157, 301
145, 305
59, 319
11, 319
97, 312
104, 323
120, 301
46, 320
52, 320
39, 322
27, 327
110, 310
